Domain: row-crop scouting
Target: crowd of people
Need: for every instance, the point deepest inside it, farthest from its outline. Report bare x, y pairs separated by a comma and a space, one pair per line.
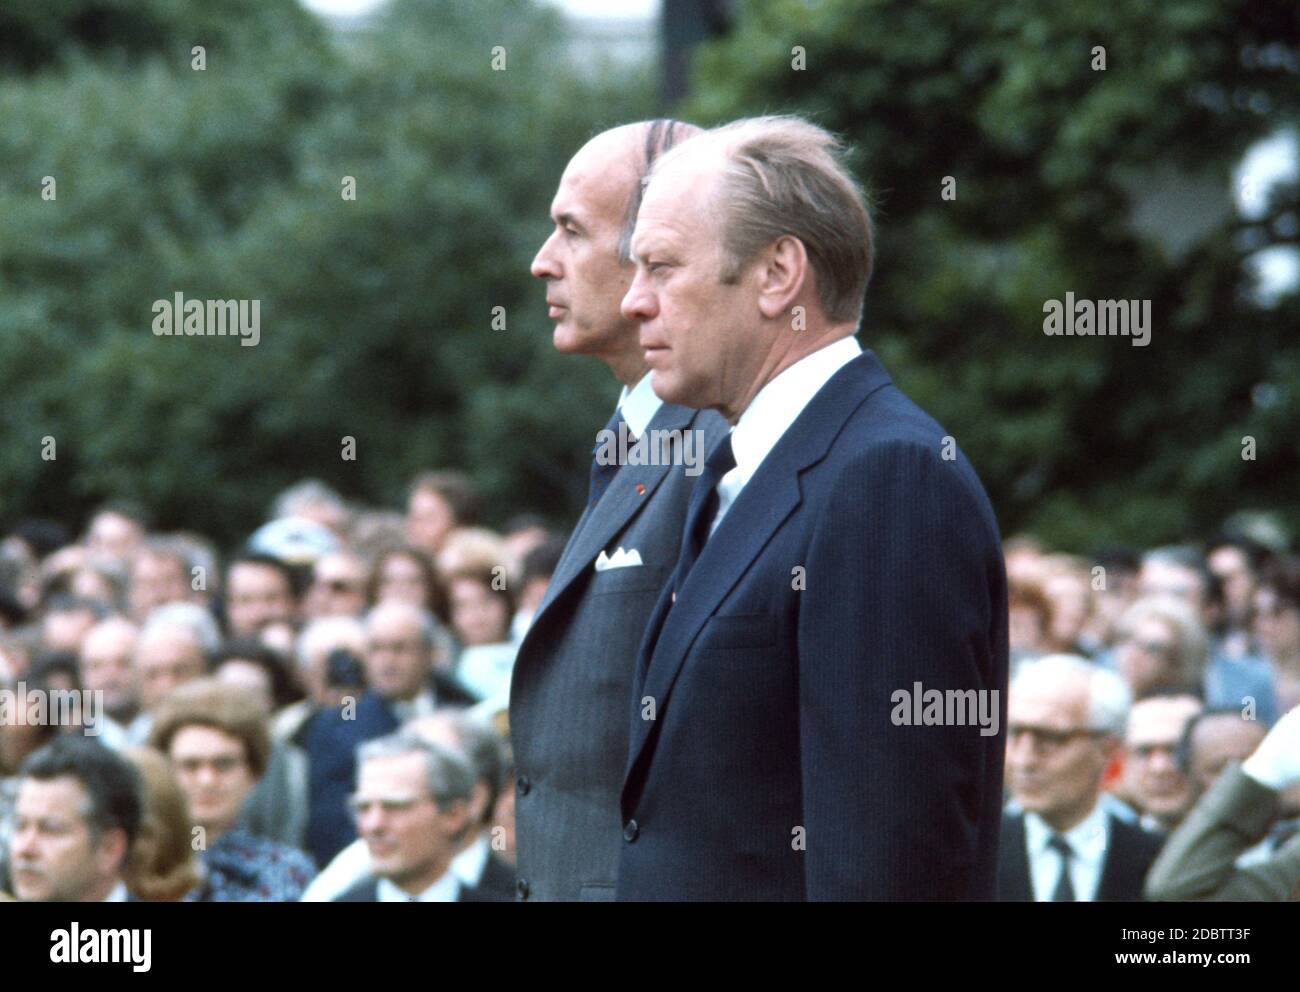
323, 714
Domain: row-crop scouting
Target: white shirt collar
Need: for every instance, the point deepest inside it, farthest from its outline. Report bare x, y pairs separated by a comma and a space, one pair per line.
446, 889
469, 864
777, 406
639, 405
779, 403
1087, 839
117, 894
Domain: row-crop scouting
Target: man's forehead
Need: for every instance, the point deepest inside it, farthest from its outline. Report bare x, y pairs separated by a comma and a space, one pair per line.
1052, 705
1159, 720
394, 769
62, 795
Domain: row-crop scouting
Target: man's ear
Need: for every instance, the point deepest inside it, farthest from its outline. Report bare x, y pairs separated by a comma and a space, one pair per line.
478, 800
782, 274
110, 853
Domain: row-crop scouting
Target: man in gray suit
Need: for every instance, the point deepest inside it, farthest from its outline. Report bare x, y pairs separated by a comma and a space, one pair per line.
571, 689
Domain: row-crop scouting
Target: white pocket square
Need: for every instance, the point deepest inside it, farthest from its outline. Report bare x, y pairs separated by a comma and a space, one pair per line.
619, 559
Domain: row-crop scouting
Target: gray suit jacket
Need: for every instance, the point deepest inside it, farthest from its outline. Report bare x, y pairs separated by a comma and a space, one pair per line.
1199, 859
570, 694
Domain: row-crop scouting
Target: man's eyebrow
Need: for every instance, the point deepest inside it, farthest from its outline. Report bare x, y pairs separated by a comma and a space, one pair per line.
565, 218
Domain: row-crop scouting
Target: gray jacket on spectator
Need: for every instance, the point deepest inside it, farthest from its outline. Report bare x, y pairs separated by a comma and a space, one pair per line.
1199, 859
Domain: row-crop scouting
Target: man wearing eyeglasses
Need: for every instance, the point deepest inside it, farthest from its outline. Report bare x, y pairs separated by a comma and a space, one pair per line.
412, 808
1065, 721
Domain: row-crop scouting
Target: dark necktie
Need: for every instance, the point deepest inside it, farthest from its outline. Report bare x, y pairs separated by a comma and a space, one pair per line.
703, 508
1064, 891
601, 475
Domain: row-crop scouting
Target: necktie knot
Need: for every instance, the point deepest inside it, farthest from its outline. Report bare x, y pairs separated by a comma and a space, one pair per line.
721, 460
1061, 846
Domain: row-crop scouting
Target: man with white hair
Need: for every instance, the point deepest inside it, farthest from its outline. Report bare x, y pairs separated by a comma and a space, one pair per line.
1065, 724
401, 684
173, 649
838, 548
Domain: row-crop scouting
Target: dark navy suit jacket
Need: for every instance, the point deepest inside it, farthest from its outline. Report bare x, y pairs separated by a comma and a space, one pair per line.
861, 558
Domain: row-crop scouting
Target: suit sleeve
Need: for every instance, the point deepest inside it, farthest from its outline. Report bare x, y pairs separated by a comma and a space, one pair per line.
1199, 859
904, 580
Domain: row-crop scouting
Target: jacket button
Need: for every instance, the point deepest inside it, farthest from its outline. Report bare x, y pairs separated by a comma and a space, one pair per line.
521, 888
630, 831
525, 786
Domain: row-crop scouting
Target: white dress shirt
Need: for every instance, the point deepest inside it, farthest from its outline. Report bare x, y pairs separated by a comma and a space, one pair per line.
446, 889
770, 414
639, 405
1088, 840
406, 710
117, 894
469, 864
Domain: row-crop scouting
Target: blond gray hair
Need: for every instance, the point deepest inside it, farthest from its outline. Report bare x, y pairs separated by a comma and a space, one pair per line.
783, 175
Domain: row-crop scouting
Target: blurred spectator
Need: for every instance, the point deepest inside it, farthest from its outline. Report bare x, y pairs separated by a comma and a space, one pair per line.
1235, 563
1066, 582
1024, 556
475, 859
67, 620
162, 866
1181, 572
172, 650
437, 504
538, 566
313, 500
159, 574
259, 590
215, 737
328, 651
482, 609
1212, 740
1064, 721
402, 684
1160, 647
1117, 591
1030, 619
116, 530
412, 809
77, 813
277, 807
1153, 782
108, 667
407, 575
102, 582
339, 586
1200, 860
1277, 626
521, 535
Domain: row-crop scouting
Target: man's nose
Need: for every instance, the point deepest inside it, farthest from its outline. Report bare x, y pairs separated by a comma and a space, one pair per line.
544, 265
24, 843
638, 303
1162, 760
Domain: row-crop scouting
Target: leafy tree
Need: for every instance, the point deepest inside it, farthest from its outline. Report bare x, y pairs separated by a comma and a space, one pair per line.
1112, 183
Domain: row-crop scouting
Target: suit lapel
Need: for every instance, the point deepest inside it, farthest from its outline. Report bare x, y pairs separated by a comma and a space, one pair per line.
761, 508
620, 503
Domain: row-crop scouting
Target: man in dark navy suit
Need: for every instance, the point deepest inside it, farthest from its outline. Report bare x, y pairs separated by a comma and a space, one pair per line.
819, 698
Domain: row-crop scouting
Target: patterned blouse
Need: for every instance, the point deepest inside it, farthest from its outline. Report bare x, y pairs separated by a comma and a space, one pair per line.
241, 867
